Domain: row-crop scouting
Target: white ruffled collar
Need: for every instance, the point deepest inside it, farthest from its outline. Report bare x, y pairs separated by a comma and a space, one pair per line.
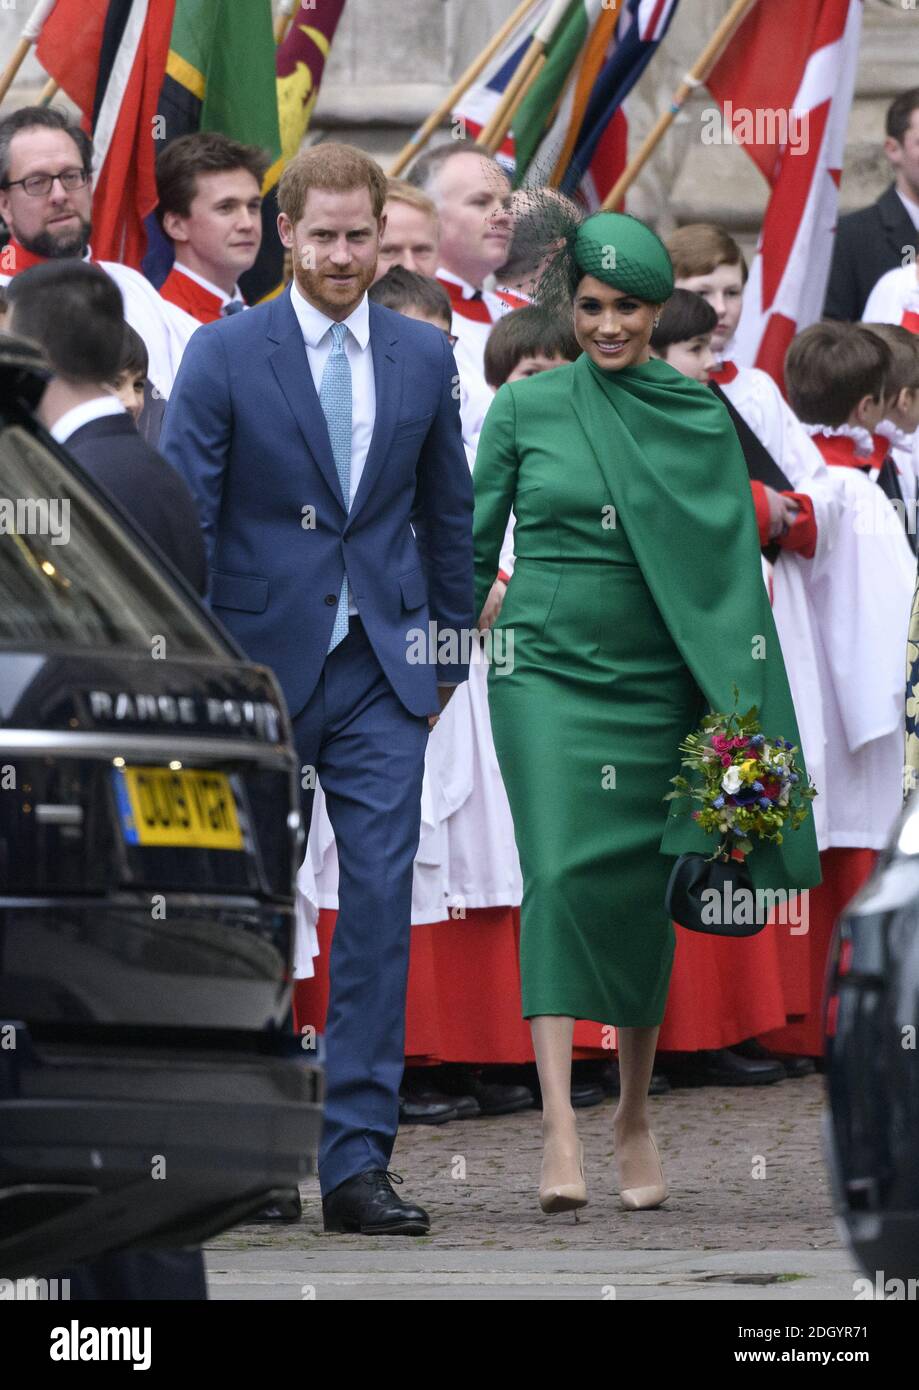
864, 444
898, 438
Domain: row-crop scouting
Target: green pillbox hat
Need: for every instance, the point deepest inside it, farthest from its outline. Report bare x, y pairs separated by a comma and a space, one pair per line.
624, 253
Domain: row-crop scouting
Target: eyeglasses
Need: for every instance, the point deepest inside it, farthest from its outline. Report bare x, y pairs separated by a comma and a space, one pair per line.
39, 185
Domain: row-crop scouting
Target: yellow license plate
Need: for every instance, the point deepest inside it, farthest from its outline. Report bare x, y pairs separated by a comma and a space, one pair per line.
186, 807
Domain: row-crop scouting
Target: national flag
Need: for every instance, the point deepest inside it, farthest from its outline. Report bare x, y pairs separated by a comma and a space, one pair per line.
600, 149
213, 44
797, 60
571, 130
301, 59
479, 102
108, 56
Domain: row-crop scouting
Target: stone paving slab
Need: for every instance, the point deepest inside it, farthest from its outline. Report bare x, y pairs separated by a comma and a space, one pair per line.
781, 1276
744, 1166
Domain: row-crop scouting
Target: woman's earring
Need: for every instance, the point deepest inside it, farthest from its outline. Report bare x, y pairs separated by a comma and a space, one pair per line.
657, 321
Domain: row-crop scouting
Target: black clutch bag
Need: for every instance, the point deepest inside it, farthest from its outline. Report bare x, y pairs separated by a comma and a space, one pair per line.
714, 896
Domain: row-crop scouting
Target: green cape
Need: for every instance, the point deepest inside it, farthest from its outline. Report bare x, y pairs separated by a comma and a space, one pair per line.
677, 478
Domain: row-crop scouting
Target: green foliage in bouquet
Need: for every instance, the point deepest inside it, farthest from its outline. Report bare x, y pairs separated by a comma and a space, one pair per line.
750, 786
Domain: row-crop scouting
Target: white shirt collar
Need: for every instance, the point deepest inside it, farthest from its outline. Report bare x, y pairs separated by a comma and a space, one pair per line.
209, 285
80, 415
911, 208
469, 291
314, 324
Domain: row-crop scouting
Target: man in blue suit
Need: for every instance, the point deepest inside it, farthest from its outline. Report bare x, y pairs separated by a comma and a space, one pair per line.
320, 436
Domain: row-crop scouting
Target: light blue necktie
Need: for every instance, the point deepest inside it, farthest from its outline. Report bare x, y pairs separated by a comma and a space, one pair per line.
335, 399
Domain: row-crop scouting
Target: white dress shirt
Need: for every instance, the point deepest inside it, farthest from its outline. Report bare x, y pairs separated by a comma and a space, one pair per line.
317, 337
80, 415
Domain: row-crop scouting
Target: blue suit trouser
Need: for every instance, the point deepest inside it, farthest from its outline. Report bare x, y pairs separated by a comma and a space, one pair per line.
368, 752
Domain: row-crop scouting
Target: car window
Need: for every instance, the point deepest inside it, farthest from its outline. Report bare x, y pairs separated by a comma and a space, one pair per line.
70, 575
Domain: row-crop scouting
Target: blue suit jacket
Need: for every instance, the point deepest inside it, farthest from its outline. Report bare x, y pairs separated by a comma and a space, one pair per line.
245, 429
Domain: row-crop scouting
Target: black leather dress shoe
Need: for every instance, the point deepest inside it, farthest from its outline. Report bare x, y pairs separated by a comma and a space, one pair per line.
720, 1067
794, 1066
366, 1205
420, 1107
286, 1208
492, 1096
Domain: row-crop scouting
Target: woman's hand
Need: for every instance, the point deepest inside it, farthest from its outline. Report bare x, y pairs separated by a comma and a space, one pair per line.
492, 607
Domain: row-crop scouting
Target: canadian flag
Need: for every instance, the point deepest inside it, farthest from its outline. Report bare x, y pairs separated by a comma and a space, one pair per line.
797, 57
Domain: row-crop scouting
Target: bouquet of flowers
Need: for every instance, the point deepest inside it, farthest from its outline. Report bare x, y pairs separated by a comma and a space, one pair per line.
749, 785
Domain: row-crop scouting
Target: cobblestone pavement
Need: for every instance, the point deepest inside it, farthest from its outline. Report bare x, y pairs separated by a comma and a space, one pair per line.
744, 1166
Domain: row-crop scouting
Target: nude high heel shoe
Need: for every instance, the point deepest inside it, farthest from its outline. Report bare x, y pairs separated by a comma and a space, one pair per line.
564, 1189
649, 1196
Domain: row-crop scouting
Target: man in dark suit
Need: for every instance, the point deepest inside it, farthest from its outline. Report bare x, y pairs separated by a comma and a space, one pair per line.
73, 310
883, 236
320, 436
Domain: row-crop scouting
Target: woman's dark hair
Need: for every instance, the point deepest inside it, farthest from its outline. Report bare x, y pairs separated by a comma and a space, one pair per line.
134, 356
402, 289
528, 332
830, 367
685, 315
74, 312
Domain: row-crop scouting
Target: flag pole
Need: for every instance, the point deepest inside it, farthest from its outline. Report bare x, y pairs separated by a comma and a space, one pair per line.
48, 92
423, 135
30, 35
694, 78
492, 137
285, 18
522, 93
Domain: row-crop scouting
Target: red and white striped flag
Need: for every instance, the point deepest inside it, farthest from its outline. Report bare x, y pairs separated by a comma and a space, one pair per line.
798, 58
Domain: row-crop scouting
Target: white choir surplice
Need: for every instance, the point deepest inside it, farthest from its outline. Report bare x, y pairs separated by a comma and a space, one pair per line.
895, 294
164, 328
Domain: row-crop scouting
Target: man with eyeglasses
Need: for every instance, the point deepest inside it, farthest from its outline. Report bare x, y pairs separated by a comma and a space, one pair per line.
46, 203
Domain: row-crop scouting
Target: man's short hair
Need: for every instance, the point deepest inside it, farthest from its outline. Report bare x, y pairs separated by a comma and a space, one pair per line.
402, 289
426, 169
330, 165
202, 152
700, 248
900, 113
401, 191
684, 316
830, 367
45, 118
904, 356
527, 332
74, 312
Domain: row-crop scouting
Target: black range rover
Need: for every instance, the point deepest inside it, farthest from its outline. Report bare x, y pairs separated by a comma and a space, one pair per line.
151, 1093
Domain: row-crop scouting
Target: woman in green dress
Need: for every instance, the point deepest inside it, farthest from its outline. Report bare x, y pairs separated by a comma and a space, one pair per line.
636, 604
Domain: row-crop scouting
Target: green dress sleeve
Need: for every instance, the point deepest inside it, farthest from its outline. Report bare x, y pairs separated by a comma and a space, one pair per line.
495, 482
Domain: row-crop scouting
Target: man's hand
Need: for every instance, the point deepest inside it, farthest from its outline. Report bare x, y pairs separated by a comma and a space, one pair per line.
492, 607
782, 512
443, 694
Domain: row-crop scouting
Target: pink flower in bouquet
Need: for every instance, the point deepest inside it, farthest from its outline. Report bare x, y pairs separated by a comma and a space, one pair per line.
721, 743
